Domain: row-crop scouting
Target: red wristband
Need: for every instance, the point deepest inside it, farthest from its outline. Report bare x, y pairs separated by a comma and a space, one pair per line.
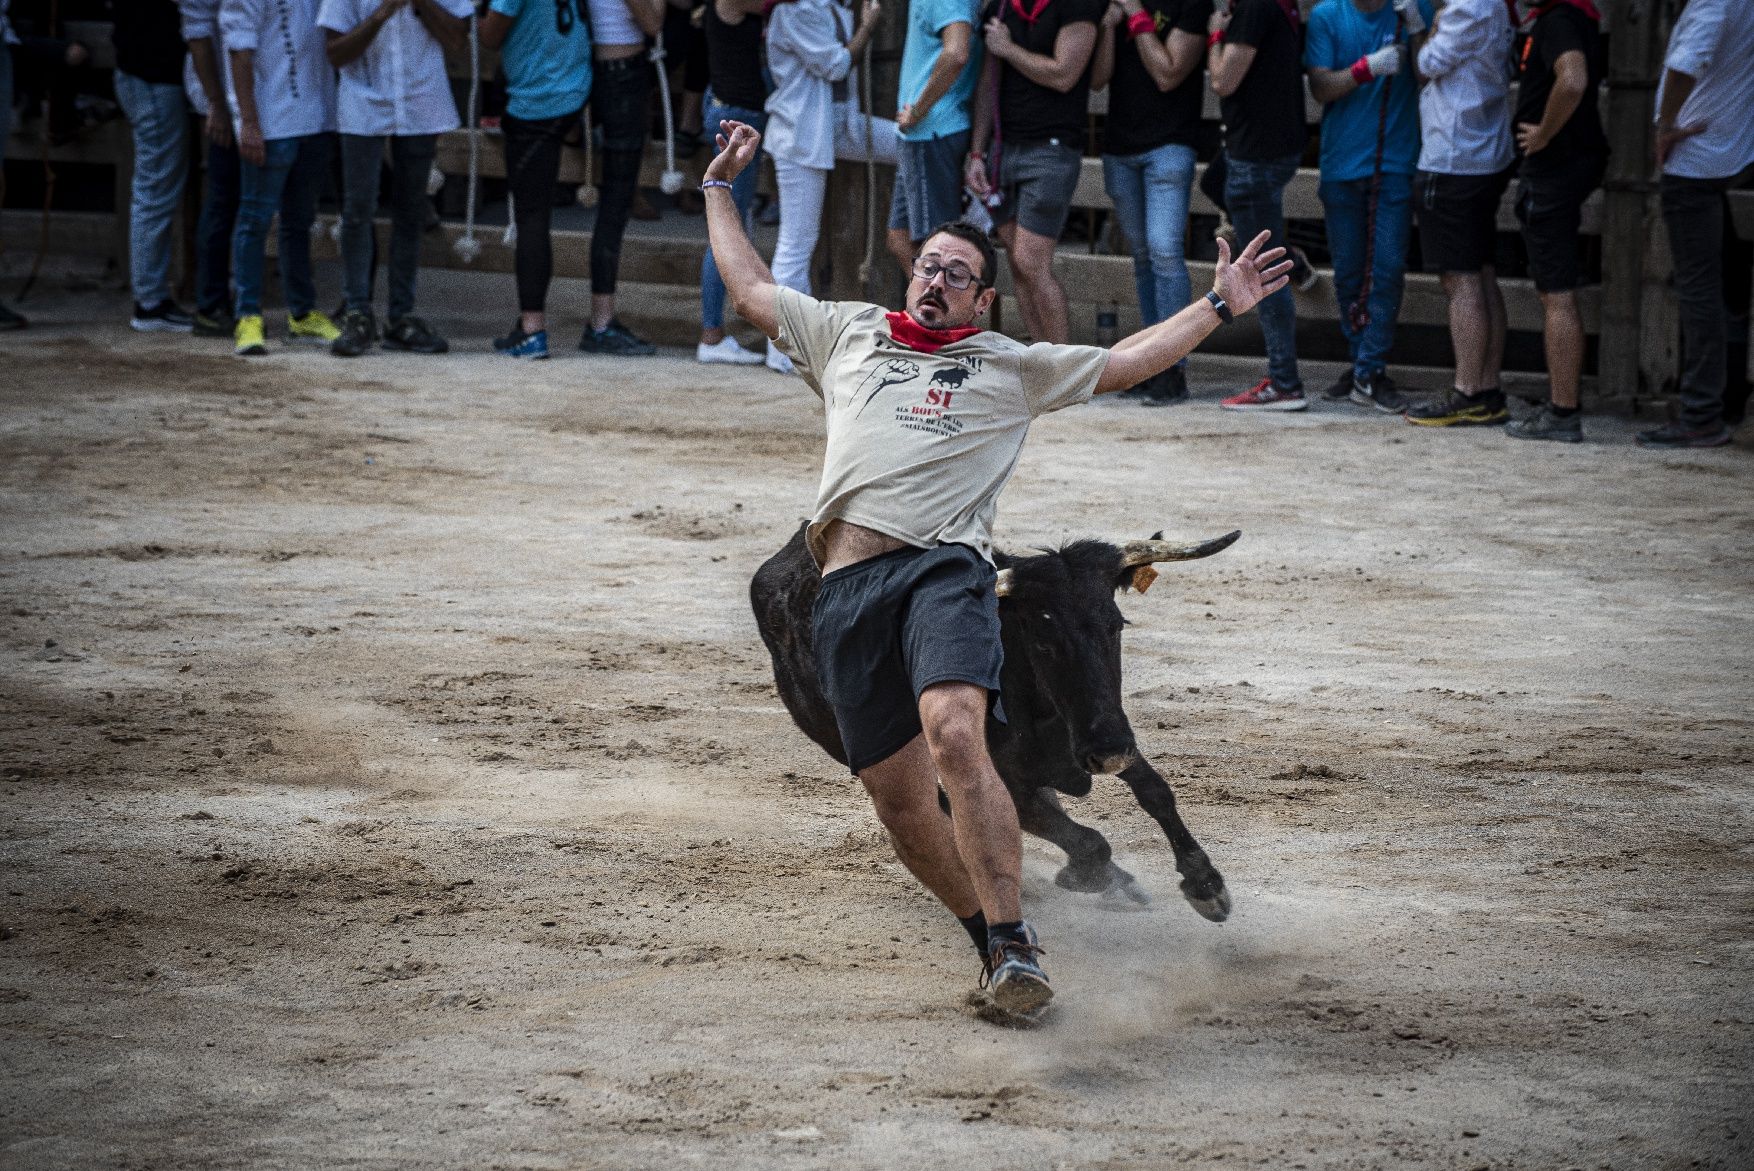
1361, 72
1213, 37
1141, 23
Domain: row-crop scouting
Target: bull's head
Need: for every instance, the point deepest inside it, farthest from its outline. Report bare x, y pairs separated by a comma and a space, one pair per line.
1060, 613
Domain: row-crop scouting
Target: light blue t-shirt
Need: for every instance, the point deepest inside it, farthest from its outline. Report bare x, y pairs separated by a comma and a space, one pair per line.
546, 58
926, 20
1338, 35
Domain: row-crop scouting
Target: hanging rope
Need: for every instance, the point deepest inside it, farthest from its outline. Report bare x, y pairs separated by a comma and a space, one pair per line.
670, 182
870, 173
467, 246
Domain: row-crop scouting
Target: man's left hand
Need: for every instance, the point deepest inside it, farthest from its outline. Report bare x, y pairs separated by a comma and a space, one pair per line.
1669, 137
999, 42
1529, 139
1252, 277
738, 143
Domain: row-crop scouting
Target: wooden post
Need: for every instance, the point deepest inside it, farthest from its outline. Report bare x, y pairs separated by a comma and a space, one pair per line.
1636, 355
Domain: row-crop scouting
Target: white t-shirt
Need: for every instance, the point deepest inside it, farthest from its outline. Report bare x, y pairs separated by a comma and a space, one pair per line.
398, 85
200, 21
1714, 42
295, 84
613, 24
1464, 109
920, 445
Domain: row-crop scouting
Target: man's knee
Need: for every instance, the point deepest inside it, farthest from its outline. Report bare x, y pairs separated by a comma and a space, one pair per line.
954, 719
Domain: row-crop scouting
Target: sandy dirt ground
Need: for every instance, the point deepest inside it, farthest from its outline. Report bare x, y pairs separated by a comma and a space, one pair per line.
392, 777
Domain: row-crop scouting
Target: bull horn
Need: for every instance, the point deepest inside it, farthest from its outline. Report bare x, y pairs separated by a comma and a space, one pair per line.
1135, 553
1002, 585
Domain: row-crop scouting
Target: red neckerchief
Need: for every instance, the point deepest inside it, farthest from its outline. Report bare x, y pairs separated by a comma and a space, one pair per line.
1029, 15
1540, 10
915, 336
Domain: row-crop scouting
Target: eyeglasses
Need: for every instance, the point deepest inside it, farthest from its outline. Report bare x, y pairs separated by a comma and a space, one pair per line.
956, 276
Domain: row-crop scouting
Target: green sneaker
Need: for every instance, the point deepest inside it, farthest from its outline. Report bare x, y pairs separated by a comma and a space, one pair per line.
250, 340
1456, 409
314, 326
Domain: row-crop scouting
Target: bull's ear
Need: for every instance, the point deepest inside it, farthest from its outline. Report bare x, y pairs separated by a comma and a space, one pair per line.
1138, 577
1002, 584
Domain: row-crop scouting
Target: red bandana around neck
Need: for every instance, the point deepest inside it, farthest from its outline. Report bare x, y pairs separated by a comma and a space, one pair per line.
1540, 10
915, 336
1029, 15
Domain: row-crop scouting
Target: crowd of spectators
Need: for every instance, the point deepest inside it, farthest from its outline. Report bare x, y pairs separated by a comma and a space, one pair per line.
1428, 114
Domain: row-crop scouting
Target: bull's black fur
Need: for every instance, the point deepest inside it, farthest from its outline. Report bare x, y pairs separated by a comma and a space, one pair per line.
1062, 699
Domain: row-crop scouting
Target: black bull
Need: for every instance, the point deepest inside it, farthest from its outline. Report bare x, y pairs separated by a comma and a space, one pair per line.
1062, 697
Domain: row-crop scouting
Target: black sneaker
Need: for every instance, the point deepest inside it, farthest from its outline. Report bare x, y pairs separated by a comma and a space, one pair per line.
1546, 423
1675, 435
1165, 389
1455, 409
164, 317
1379, 392
10, 320
216, 324
414, 335
1342, 388
615, 338
518, 344
357, 331
1303, 274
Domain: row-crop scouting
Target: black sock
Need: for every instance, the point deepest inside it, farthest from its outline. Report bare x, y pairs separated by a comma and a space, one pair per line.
1565, 412
976, 926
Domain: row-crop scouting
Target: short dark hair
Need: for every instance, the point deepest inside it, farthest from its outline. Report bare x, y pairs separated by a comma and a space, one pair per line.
972, 235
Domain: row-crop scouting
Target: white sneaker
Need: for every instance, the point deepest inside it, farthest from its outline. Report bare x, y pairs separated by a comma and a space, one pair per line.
726, 350
777, 361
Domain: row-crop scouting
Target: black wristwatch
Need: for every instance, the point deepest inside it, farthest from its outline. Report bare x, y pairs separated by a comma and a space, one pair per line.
1219, 307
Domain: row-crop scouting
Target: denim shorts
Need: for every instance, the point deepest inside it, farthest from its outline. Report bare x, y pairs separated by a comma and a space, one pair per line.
928, 185
889, 627
1036, 182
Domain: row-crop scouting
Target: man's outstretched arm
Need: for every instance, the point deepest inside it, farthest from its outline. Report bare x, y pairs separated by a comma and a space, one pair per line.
749, 282
1243, 284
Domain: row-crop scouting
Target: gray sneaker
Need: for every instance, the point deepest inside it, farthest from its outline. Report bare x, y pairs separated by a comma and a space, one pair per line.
1545, 424
1014, 976
1675, 435
1379, 393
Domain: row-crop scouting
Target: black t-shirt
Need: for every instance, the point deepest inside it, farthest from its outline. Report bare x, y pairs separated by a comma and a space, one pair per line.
733, 55
149, 41
1034, 113
1263, 119
1560, 30
1142, 117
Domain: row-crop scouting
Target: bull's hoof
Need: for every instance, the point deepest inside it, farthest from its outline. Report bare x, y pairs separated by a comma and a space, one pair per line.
1212, 902
1091, 879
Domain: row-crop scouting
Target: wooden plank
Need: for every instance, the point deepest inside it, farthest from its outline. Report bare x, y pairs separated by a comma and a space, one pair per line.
103, 145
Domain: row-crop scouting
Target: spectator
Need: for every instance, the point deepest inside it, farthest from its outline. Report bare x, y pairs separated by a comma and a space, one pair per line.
283, 90
393, 87
1464, 167
1148, 56
685, 55
621, 98
149, 86
938, 73
812, 120
1704, 140
203, 81
1356, 54
1254, 64
546, 57
1564, 155
738, 93
1038, 65
9, 319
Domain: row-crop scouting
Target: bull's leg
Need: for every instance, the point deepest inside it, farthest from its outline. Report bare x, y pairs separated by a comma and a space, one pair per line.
1088, 857
1201, 883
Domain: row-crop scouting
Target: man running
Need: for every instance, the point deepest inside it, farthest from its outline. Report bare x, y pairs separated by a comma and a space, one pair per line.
926, 416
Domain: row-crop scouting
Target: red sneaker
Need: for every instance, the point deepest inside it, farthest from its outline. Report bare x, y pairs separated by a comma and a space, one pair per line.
1264, 396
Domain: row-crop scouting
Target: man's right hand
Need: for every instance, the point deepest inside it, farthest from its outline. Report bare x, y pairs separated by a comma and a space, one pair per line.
1252, 277
737, 142
218, 130
250, 145
974, 175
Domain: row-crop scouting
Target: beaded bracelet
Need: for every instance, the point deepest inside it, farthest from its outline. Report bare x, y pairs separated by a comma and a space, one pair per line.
705, 183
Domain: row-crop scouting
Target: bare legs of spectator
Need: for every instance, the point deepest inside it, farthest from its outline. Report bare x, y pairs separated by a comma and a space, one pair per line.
1039, 294
1476, 328
1564, 343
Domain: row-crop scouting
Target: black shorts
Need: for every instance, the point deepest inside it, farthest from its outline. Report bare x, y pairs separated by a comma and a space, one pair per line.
1549, 205
890, 627
1458, 219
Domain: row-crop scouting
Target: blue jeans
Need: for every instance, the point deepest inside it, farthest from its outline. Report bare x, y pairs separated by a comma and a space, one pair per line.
159, 116
219, 219
1255, 190
1150, 193
712, 285
1348, 206
288, 181
362, 159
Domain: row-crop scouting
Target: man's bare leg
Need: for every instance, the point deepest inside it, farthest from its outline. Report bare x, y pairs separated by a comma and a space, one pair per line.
1497, 323
1007, 233
904, 791
988, 837
1032, 264
1564, 346
1469, 327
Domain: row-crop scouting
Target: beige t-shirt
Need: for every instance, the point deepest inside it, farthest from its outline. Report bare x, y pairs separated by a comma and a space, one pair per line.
920, 445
